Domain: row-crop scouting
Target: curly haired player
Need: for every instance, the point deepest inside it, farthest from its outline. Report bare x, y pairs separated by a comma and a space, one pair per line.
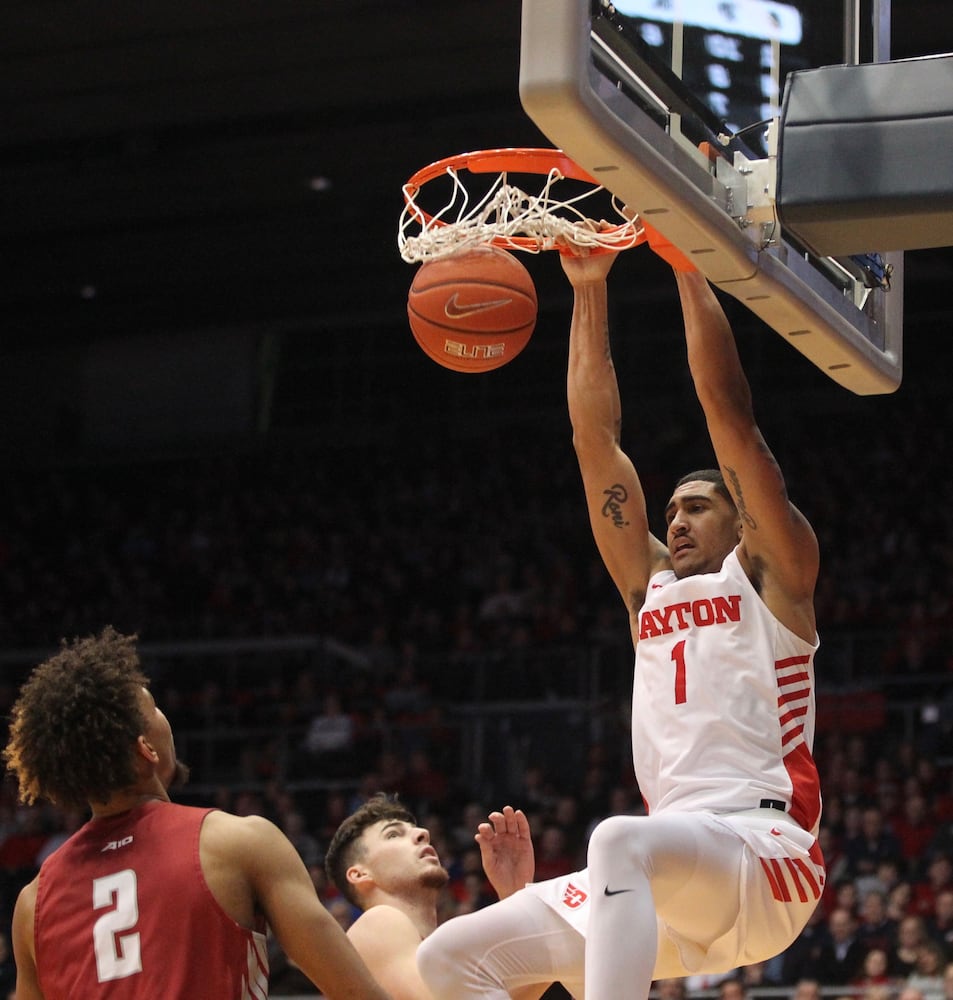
150, 898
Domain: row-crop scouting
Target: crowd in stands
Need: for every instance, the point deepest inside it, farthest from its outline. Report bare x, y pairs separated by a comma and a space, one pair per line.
419, 557
480, 545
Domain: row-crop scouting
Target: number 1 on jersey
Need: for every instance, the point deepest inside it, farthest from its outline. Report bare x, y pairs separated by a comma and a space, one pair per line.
678, 658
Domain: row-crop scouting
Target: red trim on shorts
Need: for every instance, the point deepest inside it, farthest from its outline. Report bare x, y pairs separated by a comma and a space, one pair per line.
809, 877
796, 879
772, 881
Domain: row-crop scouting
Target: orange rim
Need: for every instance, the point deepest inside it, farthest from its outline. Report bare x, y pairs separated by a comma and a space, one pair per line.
517, 159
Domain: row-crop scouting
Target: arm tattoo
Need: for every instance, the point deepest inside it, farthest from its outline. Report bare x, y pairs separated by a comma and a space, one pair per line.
731, 476
615, 496
747, 519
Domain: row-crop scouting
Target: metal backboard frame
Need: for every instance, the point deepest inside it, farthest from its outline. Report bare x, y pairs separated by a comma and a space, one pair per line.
717, 210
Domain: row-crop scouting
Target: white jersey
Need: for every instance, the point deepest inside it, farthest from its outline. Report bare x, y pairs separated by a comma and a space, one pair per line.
723, 700
722, 729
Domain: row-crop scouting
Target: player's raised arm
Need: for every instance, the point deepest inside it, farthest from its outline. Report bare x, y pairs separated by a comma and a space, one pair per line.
310, 936
614, 494
779, 548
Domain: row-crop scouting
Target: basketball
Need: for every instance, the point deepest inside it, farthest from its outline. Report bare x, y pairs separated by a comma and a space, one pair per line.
472, 311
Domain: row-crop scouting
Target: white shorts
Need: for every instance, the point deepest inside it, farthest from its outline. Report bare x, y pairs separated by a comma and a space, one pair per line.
760, 881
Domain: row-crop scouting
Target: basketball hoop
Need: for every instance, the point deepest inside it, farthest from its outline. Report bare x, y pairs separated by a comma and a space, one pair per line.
507, 216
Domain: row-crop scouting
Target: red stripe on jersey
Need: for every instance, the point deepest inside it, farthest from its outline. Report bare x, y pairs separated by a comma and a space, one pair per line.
792, 734
255, 985
790, 680
794, 713
786, 680
791, 661
805, 786
795, 695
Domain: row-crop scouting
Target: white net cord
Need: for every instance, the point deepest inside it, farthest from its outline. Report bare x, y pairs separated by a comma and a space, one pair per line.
510, 218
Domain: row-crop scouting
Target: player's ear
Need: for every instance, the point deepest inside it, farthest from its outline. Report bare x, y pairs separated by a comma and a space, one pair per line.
146, 750
357, 874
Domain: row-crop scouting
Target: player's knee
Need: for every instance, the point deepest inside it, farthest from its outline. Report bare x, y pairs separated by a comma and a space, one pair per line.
611, 839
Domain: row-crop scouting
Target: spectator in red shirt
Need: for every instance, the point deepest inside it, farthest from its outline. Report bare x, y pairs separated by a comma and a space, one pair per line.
915, 829
939, 876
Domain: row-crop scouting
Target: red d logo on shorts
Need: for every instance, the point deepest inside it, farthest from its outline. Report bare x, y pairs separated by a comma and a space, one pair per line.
573, 897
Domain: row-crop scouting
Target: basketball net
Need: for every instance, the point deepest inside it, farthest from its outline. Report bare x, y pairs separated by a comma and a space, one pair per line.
507, 216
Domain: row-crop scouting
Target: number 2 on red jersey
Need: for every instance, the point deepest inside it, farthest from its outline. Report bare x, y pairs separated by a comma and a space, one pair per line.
118, 954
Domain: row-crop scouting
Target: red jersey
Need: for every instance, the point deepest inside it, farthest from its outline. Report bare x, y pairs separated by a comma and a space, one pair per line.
123, 911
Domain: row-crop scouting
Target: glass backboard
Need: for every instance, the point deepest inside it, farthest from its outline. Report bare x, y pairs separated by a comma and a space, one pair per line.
673, 105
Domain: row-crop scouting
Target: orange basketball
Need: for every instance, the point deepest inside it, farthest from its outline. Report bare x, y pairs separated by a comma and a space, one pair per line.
472, 311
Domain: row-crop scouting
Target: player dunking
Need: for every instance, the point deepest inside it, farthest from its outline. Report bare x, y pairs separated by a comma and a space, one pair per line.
150, 899
725, 870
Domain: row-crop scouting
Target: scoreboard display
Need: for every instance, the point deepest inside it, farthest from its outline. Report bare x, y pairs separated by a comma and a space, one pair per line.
732, 56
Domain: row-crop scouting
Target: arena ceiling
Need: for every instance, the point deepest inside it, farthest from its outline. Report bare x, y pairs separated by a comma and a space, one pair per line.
197, 163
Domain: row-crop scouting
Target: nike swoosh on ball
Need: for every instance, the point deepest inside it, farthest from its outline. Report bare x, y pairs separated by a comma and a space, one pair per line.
455, 311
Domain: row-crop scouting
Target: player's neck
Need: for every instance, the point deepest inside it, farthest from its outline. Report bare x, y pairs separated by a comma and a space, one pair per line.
127, 800
419, 907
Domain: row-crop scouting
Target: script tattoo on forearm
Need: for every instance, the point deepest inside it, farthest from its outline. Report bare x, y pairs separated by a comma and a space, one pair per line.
615, 496
748, 520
